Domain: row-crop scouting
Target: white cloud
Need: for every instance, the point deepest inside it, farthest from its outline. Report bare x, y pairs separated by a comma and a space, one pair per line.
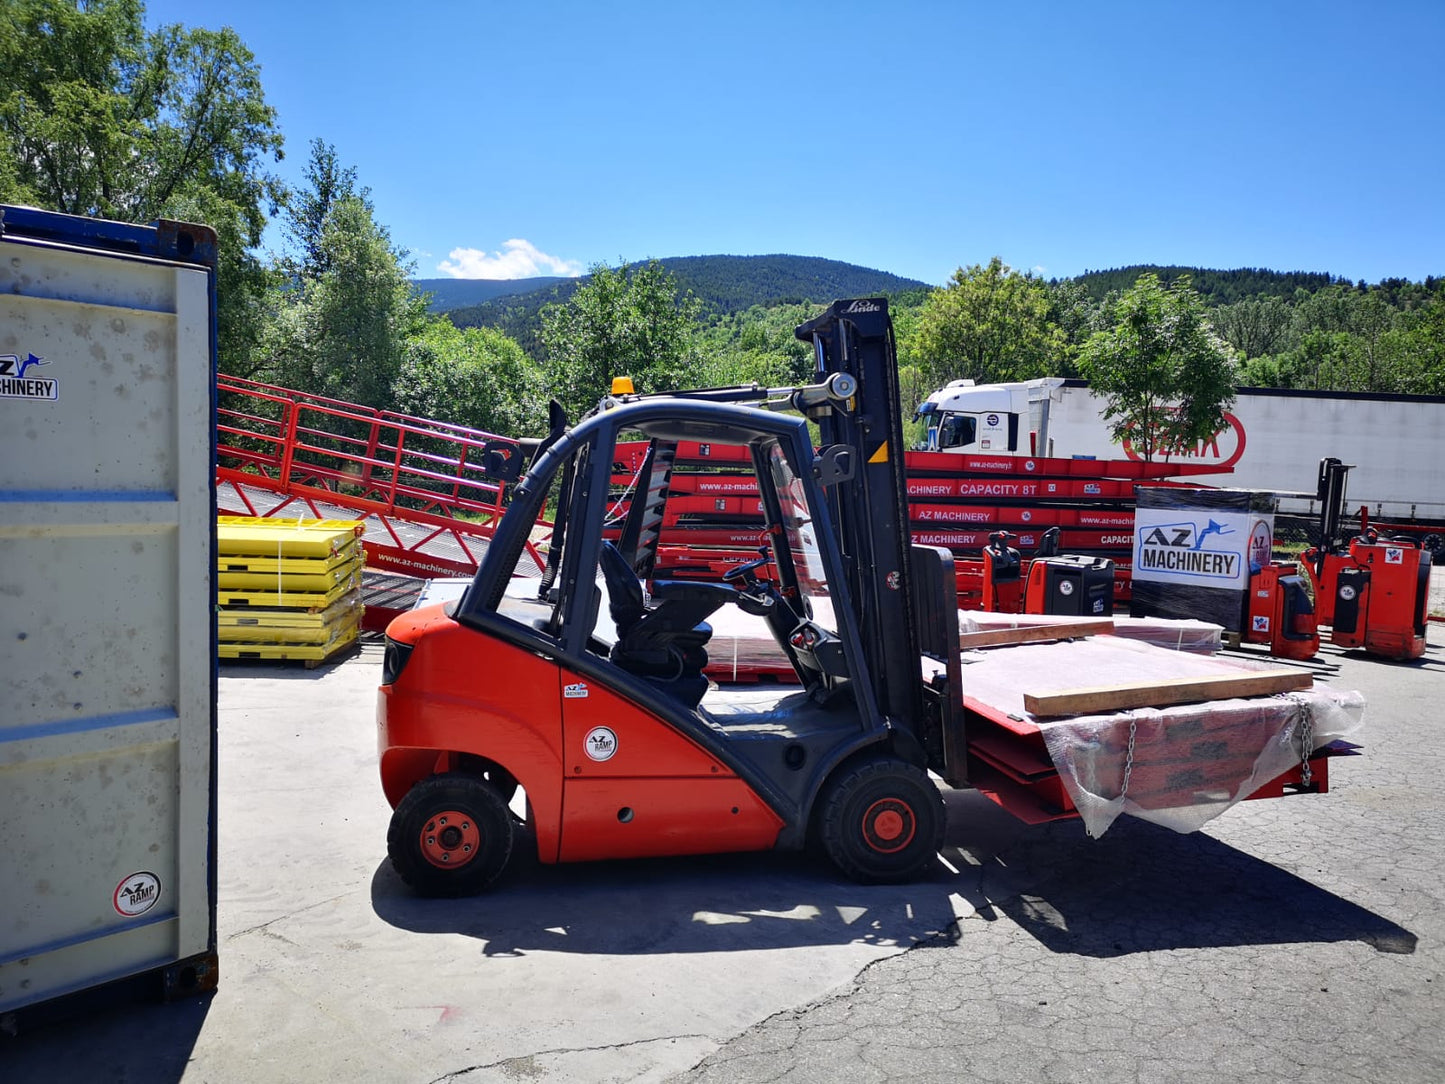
518, 260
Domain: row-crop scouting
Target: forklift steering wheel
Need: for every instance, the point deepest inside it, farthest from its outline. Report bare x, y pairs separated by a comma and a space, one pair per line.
755, 596
743, 576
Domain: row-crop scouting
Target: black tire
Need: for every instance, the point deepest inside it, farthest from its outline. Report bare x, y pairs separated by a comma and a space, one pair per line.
451, 835
881, 821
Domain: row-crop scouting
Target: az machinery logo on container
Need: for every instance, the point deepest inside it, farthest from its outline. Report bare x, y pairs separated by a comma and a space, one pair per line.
14, 384
1207, 549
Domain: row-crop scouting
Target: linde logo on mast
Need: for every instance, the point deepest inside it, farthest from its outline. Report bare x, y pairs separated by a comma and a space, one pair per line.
862, 306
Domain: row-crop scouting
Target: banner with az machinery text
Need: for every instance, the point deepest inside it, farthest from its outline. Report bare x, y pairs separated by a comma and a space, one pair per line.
1196, 549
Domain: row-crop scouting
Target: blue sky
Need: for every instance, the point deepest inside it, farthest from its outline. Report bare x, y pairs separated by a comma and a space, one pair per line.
505, 140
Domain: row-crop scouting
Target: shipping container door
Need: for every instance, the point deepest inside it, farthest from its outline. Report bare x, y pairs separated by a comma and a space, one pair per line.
106, 617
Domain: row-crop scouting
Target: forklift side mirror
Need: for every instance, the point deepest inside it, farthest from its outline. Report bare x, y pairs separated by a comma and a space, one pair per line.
834, 464
502, 459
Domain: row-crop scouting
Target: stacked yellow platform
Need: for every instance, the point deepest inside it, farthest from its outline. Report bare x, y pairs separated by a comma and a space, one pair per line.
288, 589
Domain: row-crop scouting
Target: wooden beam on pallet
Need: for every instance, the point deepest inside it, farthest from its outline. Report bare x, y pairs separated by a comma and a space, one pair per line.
1035, 634
1101, 698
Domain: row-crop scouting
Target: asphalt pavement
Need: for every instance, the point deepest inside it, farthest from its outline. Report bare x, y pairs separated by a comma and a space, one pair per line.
1291, 938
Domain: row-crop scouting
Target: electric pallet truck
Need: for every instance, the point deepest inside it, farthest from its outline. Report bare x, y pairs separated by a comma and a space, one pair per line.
1373, 591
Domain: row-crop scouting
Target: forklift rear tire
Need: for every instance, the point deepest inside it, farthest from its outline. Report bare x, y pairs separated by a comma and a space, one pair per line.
881, 821
451, 835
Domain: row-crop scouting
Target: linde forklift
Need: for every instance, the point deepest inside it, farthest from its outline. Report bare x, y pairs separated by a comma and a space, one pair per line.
587, 690
1373, 592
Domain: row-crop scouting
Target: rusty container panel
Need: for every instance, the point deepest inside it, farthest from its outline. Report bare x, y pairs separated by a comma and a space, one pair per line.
107, 620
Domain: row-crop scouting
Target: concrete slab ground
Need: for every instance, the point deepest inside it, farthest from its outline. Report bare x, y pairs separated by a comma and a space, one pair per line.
1301, 939
1291, 937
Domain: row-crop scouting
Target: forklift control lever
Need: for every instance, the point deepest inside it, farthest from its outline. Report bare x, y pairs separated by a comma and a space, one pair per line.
759, 603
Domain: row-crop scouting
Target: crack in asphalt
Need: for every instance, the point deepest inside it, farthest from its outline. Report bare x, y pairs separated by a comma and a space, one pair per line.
261, 927
523, 1066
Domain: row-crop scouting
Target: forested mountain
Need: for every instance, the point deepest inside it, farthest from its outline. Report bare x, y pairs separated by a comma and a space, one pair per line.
726, 284
1216, 287
448, 294
722, 284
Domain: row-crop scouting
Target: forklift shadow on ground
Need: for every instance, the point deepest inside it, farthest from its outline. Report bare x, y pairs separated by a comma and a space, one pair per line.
1123, 894
655, 906
1110, 897
710, 903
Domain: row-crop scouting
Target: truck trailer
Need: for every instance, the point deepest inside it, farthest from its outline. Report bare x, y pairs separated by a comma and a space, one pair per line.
1275, 440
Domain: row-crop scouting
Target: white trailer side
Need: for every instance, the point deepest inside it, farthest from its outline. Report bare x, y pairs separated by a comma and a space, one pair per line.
1395, 442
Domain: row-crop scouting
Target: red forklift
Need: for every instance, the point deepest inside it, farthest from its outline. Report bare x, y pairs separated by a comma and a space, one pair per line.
1373, 591
585, 687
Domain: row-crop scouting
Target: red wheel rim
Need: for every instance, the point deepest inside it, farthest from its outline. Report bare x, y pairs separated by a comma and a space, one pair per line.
450, 839
889, 825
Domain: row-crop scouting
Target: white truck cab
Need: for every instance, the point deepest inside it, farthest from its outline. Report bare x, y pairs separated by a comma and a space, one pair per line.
996, 419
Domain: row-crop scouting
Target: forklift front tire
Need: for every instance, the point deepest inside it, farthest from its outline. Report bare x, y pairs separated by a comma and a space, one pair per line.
881, 821
451, 835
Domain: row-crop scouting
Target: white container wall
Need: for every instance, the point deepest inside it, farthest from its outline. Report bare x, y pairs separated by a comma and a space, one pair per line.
107, 625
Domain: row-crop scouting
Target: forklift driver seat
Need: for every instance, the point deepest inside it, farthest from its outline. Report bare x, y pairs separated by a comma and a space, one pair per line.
665, 644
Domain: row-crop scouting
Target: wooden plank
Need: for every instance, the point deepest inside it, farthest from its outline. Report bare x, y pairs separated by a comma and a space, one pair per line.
1101, 698
1033, 634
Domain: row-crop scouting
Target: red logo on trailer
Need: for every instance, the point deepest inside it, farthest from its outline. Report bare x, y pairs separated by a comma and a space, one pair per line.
1223, 450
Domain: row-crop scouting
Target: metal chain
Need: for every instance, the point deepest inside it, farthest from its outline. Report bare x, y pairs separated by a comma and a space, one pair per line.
1307, 739
1129, 758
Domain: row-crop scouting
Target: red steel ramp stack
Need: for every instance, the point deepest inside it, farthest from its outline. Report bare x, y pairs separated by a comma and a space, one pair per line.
713, 520
1178, 764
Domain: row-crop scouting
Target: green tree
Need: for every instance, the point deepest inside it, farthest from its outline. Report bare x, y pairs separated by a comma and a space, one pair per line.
1256, 327
624, 321
1329, 361
476, 377
1077, 315
345, 333
1421, 339
326, 183
755, 346
989, 324
99, 118
1166, 377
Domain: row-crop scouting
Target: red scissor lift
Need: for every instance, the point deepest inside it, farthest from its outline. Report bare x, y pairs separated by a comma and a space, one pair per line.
428, 492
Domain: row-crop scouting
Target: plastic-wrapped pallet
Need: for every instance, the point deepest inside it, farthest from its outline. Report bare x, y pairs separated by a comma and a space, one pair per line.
1177, 766
288, 589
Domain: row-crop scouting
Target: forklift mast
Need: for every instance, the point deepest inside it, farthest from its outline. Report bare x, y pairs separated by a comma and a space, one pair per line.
870, 509
1331, 494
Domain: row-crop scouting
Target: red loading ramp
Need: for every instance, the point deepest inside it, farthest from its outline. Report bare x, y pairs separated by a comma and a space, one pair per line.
429, 493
